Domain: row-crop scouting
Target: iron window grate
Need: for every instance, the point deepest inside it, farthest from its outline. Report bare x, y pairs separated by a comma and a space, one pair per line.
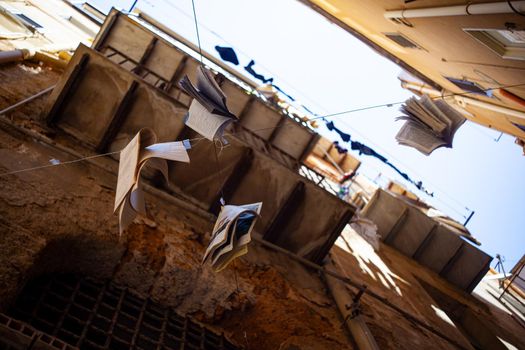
89, 314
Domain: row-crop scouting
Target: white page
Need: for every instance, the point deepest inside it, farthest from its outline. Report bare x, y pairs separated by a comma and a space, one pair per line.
423, 140
209, 87
175, 151
223, 255
220, 230
127, 170
205, 123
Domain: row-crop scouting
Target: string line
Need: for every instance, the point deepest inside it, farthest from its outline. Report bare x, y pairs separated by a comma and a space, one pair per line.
331, 115
57, 164
76, 160
197, 30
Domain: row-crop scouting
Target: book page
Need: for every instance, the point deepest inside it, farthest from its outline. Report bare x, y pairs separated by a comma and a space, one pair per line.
175, 151
226, 218
433, 108
126, 215
240, 237
237, 237
455, 117
416, 108
127, 170
205, 123
423, 140
207, 85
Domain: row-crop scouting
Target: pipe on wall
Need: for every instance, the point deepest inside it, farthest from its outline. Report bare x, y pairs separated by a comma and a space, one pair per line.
464, 101
14, 55
354, 323
35, 56
459, 10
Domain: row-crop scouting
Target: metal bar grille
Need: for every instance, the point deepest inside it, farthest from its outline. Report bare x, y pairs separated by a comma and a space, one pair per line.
89, 314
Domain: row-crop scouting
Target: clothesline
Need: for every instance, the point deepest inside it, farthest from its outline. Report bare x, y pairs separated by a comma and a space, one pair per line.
77, 160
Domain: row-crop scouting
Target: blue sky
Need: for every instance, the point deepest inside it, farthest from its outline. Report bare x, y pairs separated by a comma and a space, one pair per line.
329, 71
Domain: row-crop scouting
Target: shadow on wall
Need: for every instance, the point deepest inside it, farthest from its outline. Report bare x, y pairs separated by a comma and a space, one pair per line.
369, 261
79, 254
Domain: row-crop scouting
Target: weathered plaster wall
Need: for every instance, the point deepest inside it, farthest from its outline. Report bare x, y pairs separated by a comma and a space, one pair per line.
401, 280
60, 219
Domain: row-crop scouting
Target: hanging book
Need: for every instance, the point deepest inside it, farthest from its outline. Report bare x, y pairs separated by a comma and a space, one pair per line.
142, 150
208, 114
231, 234
428, 124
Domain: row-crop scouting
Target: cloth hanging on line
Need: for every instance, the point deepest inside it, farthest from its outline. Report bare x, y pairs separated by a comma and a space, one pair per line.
364, 149
344, 136
256, 75
227, 54
340, 149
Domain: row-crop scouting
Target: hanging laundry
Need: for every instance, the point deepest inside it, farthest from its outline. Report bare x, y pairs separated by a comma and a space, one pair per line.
231, 234
284, 93
339, 148
142, 150
256, 75
227, 54
403, 175
208, 114
364, 149
344, 136
346, 177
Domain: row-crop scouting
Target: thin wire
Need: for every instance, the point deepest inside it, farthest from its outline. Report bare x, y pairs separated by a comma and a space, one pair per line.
57, 164
331, 115
80, 160
306, 97
219, 170
234, 268
197, 30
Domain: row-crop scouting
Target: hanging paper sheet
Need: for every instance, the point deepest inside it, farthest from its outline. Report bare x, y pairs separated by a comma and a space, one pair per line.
208, 114
129, 198
231, 234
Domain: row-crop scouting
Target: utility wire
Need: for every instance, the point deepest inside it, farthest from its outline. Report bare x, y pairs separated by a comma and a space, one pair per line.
197, 30
75, 161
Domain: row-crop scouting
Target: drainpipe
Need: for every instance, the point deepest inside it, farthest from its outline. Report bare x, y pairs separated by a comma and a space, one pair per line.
460, 10
464, 101
434, 93
509, 95
35, 56
349, 309
14, 55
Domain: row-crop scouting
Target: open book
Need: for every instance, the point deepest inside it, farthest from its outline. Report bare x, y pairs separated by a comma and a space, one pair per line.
428, 124
208, 113
142, 149
231, 234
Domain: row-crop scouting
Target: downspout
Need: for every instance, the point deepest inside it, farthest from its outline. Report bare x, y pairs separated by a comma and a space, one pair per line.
14, 56
35, 56
349, 309
514, 98
460, 10
434, 93
464, 101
